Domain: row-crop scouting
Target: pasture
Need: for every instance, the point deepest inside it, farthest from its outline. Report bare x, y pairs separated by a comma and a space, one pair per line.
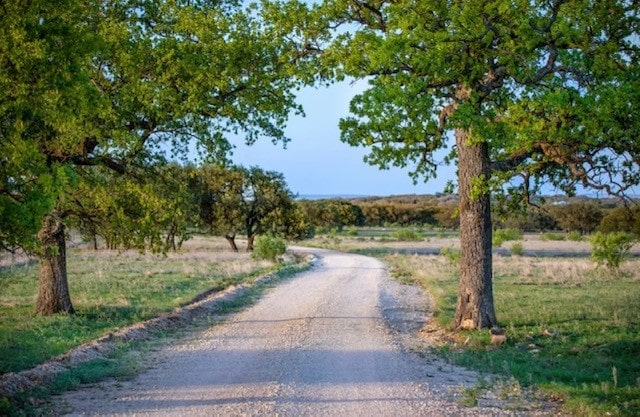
109, 290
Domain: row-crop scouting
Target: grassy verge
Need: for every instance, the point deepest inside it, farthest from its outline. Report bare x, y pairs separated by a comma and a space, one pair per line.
572, 331
109, 291
131, 357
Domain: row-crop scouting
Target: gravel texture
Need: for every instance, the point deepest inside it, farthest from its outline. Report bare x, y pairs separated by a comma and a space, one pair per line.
340, 339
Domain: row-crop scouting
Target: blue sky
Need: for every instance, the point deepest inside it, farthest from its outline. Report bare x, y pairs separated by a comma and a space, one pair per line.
317, 162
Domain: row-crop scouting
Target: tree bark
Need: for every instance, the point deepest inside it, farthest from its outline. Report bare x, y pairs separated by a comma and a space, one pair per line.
250, 239
232, 242
475, 291
171, 238
53, 288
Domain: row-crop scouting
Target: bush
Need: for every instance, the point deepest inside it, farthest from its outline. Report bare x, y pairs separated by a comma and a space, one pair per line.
611, 249
504, 235
451, 254
406, 235
552, 236
574, 236
517, 249
268, 247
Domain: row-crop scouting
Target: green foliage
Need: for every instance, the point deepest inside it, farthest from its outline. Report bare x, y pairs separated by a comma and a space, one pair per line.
95, 85
406, 235
553, 237
517, 249
448, 216
611, 249
125, 86
249, 200
577, 217
328, 214
504, 235
451, 254
622, 219
534, 93
150, 212
533, 220
499, 82
404, 214
268, 247
575, 236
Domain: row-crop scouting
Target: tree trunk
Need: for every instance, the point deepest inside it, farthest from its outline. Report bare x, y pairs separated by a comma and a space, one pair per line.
250, 239
232, 242
53, 288
171, 238
475, 293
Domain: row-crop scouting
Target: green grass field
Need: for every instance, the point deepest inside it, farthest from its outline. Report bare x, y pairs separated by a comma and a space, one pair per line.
110, 290
573, 331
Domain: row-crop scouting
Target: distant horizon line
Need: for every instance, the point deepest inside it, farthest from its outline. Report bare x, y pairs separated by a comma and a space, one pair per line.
349, 196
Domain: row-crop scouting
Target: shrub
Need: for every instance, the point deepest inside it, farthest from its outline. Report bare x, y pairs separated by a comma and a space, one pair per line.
451, 254
504, 235
611, 249
517, 249
268, 247
406, 235
552, 236
574, 236
322, 230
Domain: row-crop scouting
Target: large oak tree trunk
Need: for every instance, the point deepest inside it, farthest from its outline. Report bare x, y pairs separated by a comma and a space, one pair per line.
475, 292
53, 288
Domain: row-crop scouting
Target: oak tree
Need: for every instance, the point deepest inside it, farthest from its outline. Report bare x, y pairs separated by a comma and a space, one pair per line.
250, 201
522, 93
114, 84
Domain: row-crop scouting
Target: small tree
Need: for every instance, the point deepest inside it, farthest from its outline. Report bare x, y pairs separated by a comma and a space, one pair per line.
583, 217
251, 201
611, 249
221, 203
268, 247
622, 219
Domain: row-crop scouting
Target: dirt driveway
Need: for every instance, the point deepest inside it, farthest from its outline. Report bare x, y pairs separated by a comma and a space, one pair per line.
336, 340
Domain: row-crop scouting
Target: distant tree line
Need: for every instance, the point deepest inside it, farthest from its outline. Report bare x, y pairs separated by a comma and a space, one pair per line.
159, 211
579, 215
160, 208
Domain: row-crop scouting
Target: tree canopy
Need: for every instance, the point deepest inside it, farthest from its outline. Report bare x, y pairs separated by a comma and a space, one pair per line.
250, 201
121, 85
522, 93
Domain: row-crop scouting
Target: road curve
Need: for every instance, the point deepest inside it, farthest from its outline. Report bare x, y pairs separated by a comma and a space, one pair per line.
317, 344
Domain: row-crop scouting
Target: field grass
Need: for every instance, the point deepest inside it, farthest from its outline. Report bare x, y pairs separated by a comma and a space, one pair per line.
573, 331
110, 290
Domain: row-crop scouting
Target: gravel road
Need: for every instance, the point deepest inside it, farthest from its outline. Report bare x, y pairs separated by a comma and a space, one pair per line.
337, 340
